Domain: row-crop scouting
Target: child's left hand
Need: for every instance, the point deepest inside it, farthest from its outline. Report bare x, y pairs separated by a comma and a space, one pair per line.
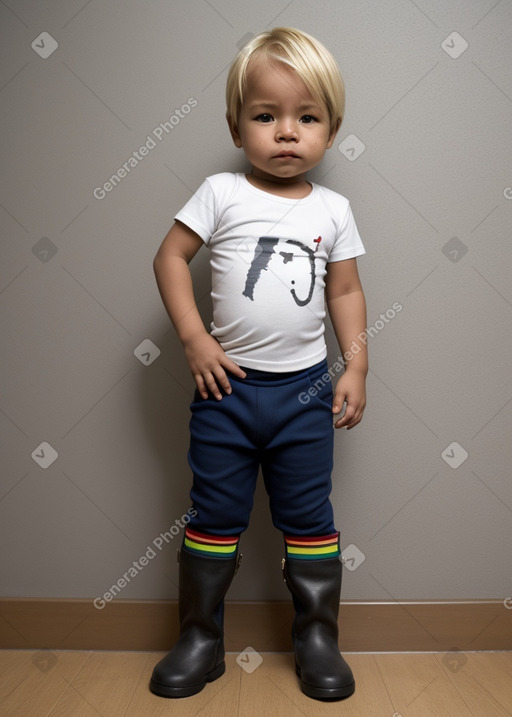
350, 389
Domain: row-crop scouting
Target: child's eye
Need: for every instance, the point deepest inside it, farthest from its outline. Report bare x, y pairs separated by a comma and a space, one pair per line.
264, 117
307, 119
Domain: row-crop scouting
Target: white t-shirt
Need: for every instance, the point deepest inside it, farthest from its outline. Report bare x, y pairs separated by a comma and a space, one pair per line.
268, 259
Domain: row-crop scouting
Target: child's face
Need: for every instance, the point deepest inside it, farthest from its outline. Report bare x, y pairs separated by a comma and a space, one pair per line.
284, 132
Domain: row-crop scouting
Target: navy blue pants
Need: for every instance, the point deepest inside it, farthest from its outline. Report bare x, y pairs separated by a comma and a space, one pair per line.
281, 422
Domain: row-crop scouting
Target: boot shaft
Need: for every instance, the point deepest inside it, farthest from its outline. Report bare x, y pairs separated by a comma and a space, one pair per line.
203, 584
198, 656
315, 586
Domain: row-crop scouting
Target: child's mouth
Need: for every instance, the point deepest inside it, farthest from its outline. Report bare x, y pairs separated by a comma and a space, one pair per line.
285, 155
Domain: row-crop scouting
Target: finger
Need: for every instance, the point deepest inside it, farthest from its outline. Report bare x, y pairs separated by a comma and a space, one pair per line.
206, 384
213, 386
222, 381
337, 404
353, 425
233, 368
358, 415
201, 387
340, 399
347, 417
352, 422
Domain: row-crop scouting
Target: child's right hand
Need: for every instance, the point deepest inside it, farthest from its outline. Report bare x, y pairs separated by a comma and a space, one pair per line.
208, 364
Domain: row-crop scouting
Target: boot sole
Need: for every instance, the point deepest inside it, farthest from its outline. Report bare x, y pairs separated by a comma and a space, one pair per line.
326, 693
162, 690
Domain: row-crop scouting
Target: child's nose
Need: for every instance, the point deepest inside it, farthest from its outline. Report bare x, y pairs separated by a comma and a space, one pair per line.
287, 130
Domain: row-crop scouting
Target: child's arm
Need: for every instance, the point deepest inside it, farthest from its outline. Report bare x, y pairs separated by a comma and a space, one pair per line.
206, 359
347, 309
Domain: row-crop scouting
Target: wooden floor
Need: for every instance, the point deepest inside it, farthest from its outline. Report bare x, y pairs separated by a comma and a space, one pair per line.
115, 684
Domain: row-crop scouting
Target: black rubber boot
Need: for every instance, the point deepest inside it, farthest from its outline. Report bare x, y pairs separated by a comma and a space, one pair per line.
315, 586
198, 655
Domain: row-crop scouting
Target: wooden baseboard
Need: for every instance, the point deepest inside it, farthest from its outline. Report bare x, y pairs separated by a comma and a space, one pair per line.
31, 623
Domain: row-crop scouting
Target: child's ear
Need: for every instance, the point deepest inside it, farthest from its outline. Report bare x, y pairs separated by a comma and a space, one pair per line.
333, 133
234, 131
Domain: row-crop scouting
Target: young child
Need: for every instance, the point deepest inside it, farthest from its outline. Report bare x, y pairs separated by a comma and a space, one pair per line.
281, 247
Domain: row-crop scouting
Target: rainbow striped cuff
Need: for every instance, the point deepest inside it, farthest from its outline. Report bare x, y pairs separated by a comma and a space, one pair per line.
317, 548
213, 546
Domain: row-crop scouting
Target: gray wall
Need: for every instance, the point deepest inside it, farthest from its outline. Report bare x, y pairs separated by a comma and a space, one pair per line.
422, 487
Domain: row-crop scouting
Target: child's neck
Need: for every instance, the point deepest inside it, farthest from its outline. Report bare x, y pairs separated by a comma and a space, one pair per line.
298, 188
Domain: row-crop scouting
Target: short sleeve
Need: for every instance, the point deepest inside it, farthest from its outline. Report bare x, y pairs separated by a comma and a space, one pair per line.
200, 212
347, 244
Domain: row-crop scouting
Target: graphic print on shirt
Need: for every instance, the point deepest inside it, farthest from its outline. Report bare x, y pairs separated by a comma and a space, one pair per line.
263, 253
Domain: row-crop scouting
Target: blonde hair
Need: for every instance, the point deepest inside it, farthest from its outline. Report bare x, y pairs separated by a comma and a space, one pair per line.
306, 55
